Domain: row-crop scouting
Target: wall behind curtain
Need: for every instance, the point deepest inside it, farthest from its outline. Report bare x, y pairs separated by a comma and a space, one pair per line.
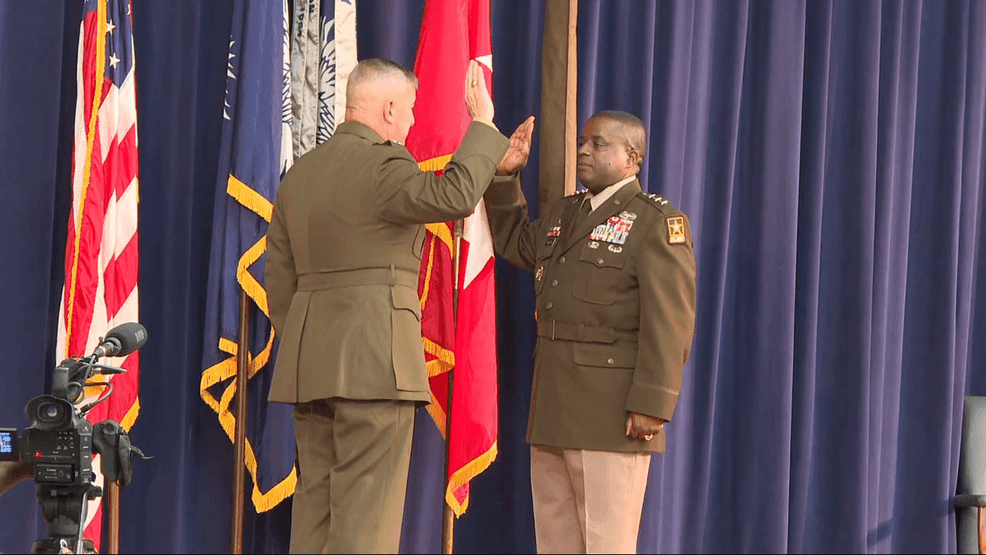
828, 153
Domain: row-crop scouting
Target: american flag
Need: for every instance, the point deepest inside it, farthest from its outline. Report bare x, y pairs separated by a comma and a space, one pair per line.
101, 257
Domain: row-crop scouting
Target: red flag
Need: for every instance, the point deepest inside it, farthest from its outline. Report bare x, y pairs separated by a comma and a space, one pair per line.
453, 32
101, 260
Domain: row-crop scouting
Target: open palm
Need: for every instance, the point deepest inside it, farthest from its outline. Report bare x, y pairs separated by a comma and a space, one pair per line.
520, 149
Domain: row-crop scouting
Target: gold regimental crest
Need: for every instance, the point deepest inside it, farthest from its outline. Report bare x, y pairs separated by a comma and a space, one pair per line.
676, 230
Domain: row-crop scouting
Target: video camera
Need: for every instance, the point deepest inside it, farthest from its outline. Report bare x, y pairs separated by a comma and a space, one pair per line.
61, 443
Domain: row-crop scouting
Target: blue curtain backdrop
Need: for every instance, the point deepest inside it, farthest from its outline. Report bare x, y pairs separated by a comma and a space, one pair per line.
829, 155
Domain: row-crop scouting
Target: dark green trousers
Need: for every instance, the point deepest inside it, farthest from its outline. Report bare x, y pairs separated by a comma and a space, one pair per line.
353, 458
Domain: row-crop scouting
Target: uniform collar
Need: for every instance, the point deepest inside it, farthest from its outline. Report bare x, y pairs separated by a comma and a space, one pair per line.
360, 130
603, 196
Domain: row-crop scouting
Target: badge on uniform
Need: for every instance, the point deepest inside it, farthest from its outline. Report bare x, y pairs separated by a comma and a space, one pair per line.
676, 230
552, 236
539, 273
615, 230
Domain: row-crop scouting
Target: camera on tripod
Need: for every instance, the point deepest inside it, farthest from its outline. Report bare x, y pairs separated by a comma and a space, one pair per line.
60, 442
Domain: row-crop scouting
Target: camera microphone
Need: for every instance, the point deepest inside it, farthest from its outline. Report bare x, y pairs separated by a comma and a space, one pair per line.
122, 340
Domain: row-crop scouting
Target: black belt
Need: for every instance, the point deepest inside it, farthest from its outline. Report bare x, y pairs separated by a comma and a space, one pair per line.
580, 332
364, 276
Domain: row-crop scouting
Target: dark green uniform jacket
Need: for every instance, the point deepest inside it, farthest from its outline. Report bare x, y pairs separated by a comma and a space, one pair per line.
615, 311
345, 246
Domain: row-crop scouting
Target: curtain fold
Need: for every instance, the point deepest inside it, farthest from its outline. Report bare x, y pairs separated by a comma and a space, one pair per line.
37, 102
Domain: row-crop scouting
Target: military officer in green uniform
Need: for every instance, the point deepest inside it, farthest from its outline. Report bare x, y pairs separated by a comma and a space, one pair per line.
345, 245
614, 274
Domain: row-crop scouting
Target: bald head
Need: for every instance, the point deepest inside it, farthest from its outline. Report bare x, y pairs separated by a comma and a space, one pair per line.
380, 94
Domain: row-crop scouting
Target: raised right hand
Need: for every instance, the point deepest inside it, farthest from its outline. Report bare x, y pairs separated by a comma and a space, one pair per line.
478, 101
515, 158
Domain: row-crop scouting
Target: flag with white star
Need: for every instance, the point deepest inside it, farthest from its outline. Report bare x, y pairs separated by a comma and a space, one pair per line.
101, 254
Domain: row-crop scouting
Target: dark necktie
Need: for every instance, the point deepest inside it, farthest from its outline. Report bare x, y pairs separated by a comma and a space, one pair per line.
583, 211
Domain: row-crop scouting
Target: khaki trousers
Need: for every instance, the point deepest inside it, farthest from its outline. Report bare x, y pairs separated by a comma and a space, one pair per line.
587, 501
353, 458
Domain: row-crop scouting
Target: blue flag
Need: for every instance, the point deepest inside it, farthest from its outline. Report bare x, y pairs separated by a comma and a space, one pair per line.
255, 152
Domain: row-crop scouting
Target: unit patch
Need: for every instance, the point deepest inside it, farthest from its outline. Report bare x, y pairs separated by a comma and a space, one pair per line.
676, 230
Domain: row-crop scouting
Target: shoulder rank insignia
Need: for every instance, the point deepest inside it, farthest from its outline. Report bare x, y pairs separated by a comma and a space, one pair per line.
676, 230
656, 198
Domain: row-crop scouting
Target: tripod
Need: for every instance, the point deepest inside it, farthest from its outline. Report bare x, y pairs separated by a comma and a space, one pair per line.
64, 509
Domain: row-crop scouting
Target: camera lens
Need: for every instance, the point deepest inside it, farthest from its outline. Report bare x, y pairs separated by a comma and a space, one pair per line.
49, 412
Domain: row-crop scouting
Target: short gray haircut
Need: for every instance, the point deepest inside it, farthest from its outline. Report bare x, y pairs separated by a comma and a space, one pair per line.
370, 70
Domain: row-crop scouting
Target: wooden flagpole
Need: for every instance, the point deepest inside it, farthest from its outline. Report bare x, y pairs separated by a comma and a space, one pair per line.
239, 453
113, 520
448, 517
559, 108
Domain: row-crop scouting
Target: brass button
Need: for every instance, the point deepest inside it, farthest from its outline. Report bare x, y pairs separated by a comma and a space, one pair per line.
611, 361
548, 306
554, 282
562, 259
600, 261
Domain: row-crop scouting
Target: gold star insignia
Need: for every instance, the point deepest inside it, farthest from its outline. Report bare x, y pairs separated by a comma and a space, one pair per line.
676, 230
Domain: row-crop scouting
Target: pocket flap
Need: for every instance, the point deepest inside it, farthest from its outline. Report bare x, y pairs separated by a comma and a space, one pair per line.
406, 299
601, 256
606, 356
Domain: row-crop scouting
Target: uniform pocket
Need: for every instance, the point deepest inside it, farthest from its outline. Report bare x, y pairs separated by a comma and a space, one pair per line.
601, 256
598, 267
408, 355
404, 298
604, 356
418, 245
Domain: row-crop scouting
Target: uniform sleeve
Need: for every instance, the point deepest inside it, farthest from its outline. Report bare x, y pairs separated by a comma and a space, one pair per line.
513, 232
405, 194
280, 276
666, 276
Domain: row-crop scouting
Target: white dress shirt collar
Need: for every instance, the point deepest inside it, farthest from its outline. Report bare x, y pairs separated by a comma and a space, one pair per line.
603, 196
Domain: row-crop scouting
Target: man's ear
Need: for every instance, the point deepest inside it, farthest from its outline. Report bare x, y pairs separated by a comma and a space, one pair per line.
388, 111
633, 157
